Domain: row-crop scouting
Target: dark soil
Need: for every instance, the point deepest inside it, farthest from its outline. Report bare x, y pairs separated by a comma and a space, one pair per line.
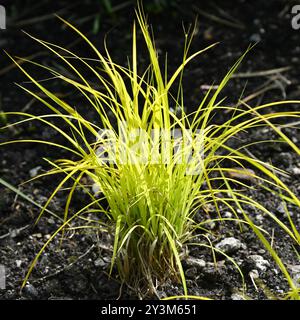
77, 267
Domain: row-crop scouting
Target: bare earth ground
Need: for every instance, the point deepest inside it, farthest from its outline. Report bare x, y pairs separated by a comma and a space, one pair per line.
77, 268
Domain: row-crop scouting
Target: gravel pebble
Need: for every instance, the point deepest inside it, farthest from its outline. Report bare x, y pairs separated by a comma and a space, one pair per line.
296, 171
259, 262
254, 274
102, 262
34, 171
18, 263
227, 215
30, 290
95, 188
295, 270
237, 296
194, 262
230, 245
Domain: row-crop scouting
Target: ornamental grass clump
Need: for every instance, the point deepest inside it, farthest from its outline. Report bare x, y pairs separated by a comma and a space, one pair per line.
154, 165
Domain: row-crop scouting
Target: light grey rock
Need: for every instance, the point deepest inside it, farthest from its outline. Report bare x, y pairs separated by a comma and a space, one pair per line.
296, 280
38, 235
96, 188
259, 217
194, 262
102, 262
276, 271
237, 296
210, 225
255, 37
296, 171
51, 221
254, 274
280, 291
34, 171
99, 262
295, 271
230, 245
295, 268
18, 263
281, 208
260, 263
227, 215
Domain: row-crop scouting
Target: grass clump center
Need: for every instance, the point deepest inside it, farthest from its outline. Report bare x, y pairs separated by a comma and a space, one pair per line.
150, 160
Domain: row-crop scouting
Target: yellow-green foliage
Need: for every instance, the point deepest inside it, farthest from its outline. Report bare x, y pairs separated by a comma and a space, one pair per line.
153, 192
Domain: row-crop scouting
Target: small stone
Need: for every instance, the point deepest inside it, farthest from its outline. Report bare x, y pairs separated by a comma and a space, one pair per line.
255, 37
211, 225
259, 262
95, 188
280, 291
51, 221
102, 262
227, 215
34, 172
262, 30
14, 233
30, 291
18, 263
296, 171
254, 274
38, 235
259, 218
230, 245
237, 296
261, 251
99, 262
296, 280
295, 270
194, 262
281, 208
238, 261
